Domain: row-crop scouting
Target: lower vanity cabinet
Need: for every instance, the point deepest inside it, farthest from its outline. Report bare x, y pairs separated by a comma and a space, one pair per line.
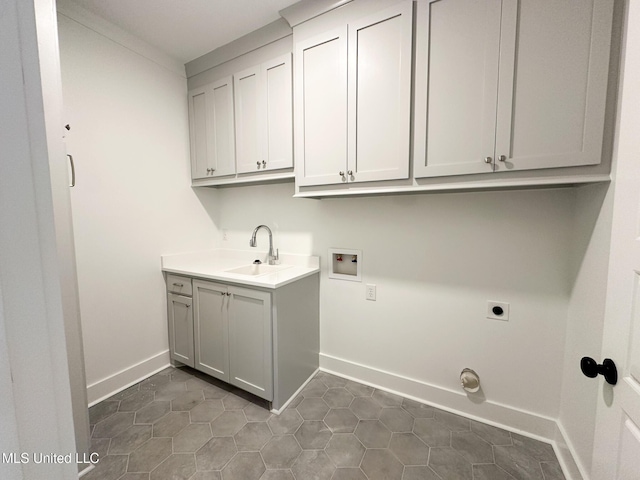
233, 335
180, 316
262, 340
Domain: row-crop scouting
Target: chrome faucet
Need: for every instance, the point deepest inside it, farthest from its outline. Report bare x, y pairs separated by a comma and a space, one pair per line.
272, 259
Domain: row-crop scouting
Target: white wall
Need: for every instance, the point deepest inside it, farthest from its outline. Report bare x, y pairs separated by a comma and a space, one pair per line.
132, 202
590, 260
436, 260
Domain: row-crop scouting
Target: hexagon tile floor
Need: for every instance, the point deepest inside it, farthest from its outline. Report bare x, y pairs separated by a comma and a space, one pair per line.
181, 425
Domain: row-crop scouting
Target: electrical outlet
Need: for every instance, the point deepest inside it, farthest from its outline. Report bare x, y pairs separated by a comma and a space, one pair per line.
370, 292
498, 310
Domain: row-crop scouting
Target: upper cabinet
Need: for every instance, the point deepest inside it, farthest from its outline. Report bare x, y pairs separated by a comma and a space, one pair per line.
507, 85
264, 123
211, 130
352, 100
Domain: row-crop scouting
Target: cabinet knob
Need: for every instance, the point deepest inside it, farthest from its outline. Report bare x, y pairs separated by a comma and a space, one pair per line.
488, 160
502, 158
341, 174
264, 163
350, 173
258, 164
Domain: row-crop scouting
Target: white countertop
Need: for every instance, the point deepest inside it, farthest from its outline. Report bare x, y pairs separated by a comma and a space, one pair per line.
213, 265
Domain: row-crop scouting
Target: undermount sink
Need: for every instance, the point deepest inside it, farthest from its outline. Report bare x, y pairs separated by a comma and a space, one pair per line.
256, 270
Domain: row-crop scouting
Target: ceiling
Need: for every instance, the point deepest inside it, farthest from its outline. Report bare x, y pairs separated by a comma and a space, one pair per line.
186, 29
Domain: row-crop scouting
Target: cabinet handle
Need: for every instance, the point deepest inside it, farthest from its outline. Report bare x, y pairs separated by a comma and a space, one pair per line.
488, 159
178, 285
73, 170
264, 163
341, 174
188, 305
258, 164
350, 173
502, 158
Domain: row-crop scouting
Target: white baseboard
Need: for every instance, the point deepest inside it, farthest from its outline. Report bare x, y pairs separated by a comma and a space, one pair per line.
569, 460
103, 389
503, 416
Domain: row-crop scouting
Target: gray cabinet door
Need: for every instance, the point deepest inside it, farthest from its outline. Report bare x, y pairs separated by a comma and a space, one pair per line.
211, 329
181, 329
250, 341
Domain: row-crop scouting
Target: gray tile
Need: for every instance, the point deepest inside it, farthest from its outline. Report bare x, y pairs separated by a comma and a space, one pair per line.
136, 401
380, 464
366, 408
228, 423
472, 447
345, 450
191, 438
233, 402
287, 422
152, 412
215, 453
256, 413
417, 409
111, 467
253, 436
214, 393
179, 375
359, 390
348, 474
125, 393
341, 420
387, 399
331, 380
195, 383
432, 432
277, 475
396, 419
295, 402
100, 446
373, 434
552, 471
206, 412
281, 452
176, 467
130, 439
170, 391
409, 449
113, 425
453, 422
313, 435
135, 476
170, 424
542, 452
207, 476
338, 398
244, 466
419, 473
493, 435
449, 464
312, 409
102, 411
154, 382
149, 455
313, 465
187, 401
518, 463
315, 388
490, 472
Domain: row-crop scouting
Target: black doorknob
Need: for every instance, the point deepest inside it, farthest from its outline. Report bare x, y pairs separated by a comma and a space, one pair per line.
608, 369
